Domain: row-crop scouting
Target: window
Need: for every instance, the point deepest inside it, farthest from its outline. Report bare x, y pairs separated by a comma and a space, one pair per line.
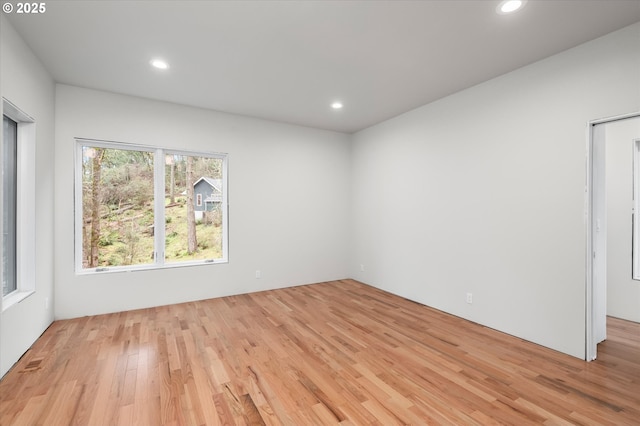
143, 207
9, 204
18, 205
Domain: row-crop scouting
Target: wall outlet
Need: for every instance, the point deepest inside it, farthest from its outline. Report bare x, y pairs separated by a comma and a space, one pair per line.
46, 303
258, 274
361, 267
469, 298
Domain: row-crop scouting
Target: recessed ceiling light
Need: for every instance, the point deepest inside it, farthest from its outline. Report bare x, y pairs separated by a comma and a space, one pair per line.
160, 64
336, 105
510, 6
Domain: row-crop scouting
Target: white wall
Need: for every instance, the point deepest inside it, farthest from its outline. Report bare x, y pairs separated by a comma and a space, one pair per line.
623, 293
24, 82
288, 201
483, 192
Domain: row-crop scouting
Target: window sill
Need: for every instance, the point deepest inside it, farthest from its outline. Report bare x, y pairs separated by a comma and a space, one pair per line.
15, 298
151, 267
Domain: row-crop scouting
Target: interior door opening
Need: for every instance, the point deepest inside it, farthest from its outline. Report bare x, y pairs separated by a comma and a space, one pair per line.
611, 180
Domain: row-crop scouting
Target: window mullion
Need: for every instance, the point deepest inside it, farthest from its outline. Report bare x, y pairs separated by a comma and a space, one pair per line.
159, 200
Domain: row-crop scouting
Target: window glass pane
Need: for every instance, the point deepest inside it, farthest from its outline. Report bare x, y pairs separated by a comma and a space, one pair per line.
193, 208
117, 207
9, 204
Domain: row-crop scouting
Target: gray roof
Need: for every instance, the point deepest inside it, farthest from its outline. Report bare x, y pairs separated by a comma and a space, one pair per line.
215, 183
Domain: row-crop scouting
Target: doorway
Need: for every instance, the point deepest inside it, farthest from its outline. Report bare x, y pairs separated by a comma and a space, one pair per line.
610, 190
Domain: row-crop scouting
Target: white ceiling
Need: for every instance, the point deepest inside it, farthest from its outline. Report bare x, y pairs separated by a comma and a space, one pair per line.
288, 60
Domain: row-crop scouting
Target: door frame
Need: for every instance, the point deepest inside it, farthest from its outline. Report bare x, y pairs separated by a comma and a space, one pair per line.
595, 176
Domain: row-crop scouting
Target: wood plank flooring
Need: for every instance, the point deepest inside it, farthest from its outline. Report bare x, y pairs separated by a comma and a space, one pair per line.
330, 353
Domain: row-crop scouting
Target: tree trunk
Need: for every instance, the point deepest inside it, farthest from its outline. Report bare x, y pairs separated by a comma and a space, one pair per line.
96, 166
173, 183
192, 242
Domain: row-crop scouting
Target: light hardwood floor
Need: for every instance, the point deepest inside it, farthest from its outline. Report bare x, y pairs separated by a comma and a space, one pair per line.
336, 352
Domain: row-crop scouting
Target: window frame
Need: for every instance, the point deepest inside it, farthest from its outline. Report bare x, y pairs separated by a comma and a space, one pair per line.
159, 208
25, 205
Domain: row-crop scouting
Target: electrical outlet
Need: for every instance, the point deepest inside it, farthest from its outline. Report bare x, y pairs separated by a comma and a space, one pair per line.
258, 274
46, 303
361, 267
469, 298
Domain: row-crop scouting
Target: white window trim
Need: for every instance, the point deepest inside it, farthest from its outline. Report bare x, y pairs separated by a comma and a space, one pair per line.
159, 218
26, 205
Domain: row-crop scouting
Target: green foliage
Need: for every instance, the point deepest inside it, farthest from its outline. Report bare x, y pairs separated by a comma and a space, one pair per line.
147, 219
108, 239
126, 244
181, 253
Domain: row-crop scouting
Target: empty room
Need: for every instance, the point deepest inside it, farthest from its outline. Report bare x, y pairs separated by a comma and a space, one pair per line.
320, 212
